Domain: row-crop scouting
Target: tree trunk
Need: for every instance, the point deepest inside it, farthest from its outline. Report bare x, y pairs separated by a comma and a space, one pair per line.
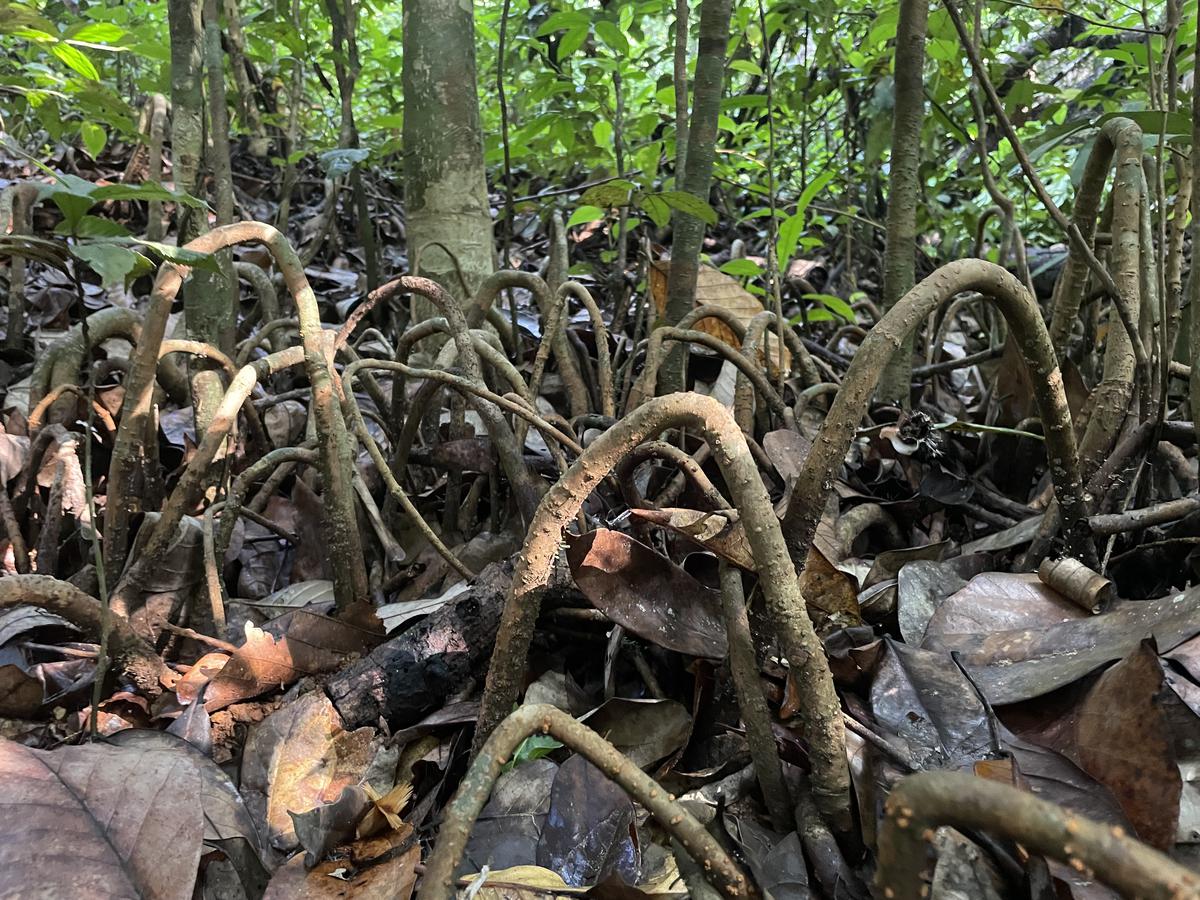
445, 185
344, 22
247, 104
207, 309
697, 177
899, 263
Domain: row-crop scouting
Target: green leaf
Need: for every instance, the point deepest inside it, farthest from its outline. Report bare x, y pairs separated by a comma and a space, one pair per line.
835, 305
533, 747
572, 41
612, 36
75, 59
602, 133
94, 138
110, 261
656, 208
793, 225
585, 214
742, 268
690, 204
98, 32
94, 227
146, 191
181, 255
745, 65
561, 21
612, 193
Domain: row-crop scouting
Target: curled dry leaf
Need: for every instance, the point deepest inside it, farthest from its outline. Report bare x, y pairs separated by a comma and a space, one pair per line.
99, 821
647, 593
378, 868
644, 730
720, 532
829, 593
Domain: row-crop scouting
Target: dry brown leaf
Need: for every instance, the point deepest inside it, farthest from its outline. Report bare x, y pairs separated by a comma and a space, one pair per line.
99, 821
720, 532
385, 810
715, 288
829, 593
298, 758
382, 867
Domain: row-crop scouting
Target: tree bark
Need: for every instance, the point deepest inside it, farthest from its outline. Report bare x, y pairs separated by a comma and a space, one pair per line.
707, 92
445, 183
904, 187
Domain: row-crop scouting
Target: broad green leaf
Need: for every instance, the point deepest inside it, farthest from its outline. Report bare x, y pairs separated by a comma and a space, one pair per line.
563, 20
572, 41
602, 133
585, 214
835, 305
533, 747
612, 36
94, 138
690, 204
146, 191
98, 32
612, 193
742, 268
656, 208
94, 227
745, 65
110, 261
36, 35
76, 59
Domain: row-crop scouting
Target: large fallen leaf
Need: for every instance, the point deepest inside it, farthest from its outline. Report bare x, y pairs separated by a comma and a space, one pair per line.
298, 643
98, 821
1000, 601
1010, 666
228, 825
20, 619
924, 698
713, 288
510, 826
720, 532
589, 830
647, 593
296, 759
644, 730
1119, 734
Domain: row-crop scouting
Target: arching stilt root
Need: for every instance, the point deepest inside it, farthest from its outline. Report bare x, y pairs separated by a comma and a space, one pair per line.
722, 872
820, 709
921, 803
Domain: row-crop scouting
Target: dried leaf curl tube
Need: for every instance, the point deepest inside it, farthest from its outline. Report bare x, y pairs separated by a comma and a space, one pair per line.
920, 803
462, 812
850, 404
820, 708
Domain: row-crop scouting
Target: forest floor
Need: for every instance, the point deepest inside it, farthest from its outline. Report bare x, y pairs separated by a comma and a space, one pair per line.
231, 727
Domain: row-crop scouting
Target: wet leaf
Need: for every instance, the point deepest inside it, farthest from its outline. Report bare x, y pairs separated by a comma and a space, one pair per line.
647, 593
510, 826
589, 829
1009, 666
1000, 601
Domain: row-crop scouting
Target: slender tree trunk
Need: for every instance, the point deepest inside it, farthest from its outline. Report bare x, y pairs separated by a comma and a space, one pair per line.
899, 264
247, 104
1193, 283
295, 96
344, 21
697, 177
682, 12
445, 184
